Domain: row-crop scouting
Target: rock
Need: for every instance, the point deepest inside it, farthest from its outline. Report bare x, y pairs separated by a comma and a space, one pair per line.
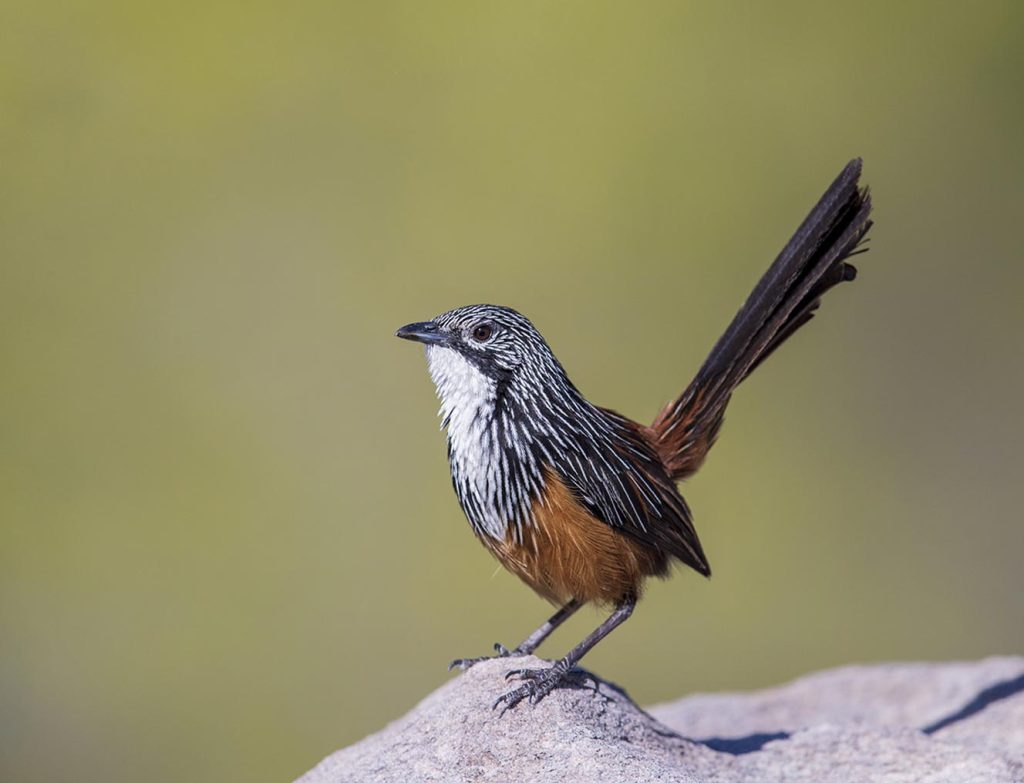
953, 722
973, 703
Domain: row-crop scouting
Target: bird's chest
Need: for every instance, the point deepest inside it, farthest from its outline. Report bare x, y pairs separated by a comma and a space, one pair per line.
493, 469
495, 480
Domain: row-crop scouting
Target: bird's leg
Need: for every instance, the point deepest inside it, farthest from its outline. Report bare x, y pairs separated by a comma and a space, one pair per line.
529, 644
538, 683
534, 640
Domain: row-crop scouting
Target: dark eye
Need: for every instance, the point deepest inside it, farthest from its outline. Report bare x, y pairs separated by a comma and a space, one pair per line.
482, 332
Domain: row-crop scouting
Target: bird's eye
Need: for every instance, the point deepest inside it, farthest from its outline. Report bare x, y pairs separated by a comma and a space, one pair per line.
482, 332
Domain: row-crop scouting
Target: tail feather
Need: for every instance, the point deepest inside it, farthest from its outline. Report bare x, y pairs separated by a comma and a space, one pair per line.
786, 297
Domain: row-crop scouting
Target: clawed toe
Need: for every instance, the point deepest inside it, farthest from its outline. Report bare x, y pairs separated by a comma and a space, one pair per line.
526, 674
538, 683
467, 663
509, 700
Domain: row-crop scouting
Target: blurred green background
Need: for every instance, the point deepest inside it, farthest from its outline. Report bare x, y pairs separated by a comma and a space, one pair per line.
229, 541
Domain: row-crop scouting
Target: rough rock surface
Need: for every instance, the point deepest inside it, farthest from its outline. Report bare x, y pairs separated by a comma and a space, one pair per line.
939, 723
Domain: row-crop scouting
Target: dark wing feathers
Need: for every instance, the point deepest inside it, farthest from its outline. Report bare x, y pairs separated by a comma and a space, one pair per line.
622, 482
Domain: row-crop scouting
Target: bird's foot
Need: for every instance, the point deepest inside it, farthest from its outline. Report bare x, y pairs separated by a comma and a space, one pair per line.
467, 663
538, 683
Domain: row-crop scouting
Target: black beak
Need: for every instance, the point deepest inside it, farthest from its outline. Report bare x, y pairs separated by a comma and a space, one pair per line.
423, 332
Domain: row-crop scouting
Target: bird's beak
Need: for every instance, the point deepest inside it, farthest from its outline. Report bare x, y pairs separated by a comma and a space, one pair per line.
423, 332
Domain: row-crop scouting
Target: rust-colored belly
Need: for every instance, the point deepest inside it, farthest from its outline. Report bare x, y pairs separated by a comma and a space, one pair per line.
568, 553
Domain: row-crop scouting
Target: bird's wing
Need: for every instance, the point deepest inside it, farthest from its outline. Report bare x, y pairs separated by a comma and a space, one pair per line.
619, 478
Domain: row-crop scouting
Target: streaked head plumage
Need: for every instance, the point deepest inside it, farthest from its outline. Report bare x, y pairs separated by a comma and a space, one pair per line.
495, 339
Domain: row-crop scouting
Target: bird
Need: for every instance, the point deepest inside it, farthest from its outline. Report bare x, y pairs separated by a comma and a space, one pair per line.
578, 501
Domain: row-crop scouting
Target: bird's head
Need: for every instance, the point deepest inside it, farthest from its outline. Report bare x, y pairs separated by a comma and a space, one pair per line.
475, 351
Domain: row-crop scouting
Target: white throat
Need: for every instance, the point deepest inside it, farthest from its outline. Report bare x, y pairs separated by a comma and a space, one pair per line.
493, 492
467, 396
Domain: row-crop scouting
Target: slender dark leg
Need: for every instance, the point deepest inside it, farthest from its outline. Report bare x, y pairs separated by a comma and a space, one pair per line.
538, 683
529, 644
533, 641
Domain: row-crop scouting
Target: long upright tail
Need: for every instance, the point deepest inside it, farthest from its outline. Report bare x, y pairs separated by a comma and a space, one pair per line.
786, 298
